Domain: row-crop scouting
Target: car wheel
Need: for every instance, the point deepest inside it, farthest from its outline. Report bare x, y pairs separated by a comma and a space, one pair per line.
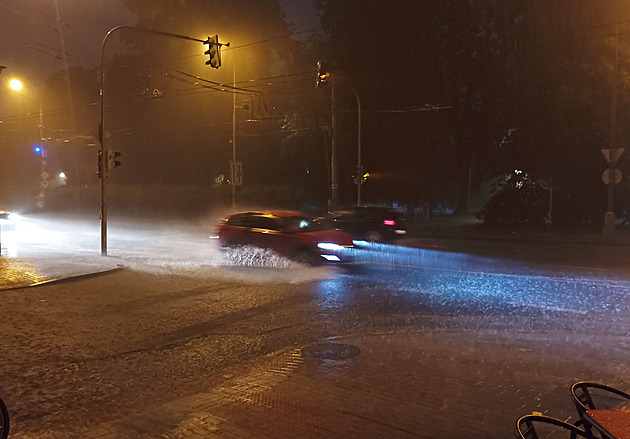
374, 236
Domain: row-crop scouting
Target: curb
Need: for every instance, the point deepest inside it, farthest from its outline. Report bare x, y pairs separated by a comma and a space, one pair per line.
66, 279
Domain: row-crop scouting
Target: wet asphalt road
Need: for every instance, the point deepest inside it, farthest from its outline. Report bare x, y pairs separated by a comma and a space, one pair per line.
181, 315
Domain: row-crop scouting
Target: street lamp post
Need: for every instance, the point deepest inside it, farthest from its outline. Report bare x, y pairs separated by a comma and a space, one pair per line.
359, 179
233, 138
323, 76
359, 166
40, 148
103, 127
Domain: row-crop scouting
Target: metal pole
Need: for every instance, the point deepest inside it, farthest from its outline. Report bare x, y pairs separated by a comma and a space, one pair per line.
234, 138
44, 175
103, 130
609, 216
334, 184
103, 137
359, 167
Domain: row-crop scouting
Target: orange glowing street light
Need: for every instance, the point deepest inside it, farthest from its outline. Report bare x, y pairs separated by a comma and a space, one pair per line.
15, 84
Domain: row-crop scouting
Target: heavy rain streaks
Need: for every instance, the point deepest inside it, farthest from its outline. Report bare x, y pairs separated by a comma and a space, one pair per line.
385, 279
403, 280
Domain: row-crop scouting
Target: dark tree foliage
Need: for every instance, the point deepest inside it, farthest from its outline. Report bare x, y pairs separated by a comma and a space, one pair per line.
453, 94
528, 85
432, 75
518, 201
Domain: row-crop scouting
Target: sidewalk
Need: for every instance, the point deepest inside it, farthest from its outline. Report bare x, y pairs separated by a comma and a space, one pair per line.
34, 270
398, 385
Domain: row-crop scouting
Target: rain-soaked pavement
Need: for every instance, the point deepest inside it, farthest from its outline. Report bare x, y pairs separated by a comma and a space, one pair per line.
414, 342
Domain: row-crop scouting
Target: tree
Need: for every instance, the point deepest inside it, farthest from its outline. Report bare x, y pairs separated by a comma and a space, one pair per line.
527, 86
518, 201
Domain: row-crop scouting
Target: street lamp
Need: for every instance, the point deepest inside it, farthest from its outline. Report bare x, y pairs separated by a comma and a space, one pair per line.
39, 149
15, 84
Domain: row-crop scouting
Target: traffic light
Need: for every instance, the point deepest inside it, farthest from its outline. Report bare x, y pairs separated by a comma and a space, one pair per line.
111, 159
100, 170
361, 176
37, 149
214, 51
322, 75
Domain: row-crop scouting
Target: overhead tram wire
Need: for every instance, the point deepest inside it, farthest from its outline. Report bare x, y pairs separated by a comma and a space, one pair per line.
218, 85
281, 37
222, 88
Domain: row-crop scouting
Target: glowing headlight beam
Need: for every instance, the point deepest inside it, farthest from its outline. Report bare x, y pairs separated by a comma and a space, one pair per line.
331, 258
330, 246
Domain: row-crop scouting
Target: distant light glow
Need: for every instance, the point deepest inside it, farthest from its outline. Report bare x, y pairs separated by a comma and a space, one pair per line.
62, 175
15, 84
329, 246
331, 258
389, 222
37, 149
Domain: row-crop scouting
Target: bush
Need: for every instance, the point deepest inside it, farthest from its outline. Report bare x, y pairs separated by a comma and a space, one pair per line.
518, 201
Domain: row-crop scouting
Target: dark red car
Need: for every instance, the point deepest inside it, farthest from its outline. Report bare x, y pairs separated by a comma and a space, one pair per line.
372, 224
288, 233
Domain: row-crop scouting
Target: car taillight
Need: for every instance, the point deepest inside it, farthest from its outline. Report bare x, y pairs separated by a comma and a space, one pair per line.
389, 222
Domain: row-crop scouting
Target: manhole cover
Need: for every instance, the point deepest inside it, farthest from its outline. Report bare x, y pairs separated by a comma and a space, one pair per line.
331, 351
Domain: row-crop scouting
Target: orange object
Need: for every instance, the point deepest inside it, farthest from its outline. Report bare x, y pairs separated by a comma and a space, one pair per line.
616, 422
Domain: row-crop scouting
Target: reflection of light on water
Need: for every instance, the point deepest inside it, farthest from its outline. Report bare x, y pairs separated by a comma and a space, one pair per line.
429, 278
455, 279
15, 230
332, 291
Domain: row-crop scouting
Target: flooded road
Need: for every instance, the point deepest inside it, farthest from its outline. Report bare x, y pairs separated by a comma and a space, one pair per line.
182, 317
384, 279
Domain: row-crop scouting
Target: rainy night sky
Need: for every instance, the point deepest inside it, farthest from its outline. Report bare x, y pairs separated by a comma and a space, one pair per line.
450, 100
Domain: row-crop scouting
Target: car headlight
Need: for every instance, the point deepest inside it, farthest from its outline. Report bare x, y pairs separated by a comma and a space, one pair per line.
331, 258
330, 246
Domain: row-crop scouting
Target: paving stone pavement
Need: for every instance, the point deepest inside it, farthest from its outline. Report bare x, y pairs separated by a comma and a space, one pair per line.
394, 385
23, 272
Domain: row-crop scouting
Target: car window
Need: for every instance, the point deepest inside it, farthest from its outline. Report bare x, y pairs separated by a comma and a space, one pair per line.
316, 225
265, 222
295, 223
240, 221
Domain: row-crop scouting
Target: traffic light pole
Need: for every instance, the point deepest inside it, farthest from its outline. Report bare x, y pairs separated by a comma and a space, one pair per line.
609, 216
334, 179
233, 140
103, 128
359, 166
359, 180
